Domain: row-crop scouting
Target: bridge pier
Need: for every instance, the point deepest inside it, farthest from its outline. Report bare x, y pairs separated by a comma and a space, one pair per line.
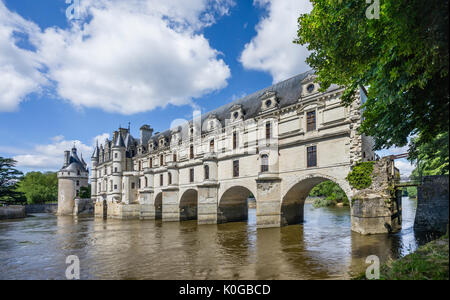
170, 205
147, 204
268, 202
207, 203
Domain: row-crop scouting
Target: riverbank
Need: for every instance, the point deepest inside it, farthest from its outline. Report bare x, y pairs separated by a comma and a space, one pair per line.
428, 262
12, 212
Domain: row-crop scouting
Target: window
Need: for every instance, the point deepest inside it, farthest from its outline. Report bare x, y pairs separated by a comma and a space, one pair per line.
206, 172
78, 172
115, 170
78, 183
191, 151
268, 130
191, 175
139, 183
78, 193
140, 166
264, 163
236, 168
115, 186
110, 186
133, 185
115, 155
161, 180
170, 177
151, 163
312, 156
311, 121
234, 140
211, 146
146, 181
161, 160
310, 88
174, 157
99, 187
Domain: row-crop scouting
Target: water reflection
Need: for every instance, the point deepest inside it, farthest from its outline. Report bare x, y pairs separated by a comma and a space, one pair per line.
321, 248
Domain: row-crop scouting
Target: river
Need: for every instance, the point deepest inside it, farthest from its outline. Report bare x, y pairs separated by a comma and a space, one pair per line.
321, 248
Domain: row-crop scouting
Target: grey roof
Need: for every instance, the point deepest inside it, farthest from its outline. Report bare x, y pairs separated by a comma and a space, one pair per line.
288, 92
96, 151
75, 163
119, 141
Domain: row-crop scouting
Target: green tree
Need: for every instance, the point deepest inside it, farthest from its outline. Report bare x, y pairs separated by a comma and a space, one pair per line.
432, 158
9, 177
402, 58
332, 193
85, 192
39, 187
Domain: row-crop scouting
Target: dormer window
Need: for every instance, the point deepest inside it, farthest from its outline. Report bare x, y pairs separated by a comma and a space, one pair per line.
236, 115
310, 88
268, 100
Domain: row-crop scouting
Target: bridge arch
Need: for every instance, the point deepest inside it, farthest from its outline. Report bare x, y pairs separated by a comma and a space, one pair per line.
158, 206
293, 200
189, 205
233, 206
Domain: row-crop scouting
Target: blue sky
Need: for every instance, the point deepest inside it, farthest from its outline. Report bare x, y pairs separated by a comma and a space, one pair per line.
140, 61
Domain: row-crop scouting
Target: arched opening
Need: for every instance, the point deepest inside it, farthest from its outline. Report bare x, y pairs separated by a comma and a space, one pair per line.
233, 205
188, 205
326, 193
158, 207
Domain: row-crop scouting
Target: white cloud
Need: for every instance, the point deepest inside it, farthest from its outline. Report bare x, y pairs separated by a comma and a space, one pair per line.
131, 56
272, 49
19, 75
405, 167
50, 157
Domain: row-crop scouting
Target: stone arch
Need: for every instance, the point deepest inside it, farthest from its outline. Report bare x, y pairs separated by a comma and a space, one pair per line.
233, 205
158, 206
189, 205
293, 200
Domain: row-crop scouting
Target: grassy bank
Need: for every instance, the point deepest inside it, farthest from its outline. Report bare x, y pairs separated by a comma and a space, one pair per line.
429, 262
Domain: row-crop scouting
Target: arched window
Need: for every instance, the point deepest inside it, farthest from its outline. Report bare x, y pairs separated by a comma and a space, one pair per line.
211, 146
206, 172
268, 130
264, 163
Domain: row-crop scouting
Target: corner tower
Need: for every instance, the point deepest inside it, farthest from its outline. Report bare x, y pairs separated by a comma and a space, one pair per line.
73, 175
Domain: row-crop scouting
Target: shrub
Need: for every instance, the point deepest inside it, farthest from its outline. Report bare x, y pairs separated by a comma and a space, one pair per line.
360, 175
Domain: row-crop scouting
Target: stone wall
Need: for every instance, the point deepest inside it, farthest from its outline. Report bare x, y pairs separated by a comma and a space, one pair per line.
376, 209
41, 208
432, 204
12, 212
83, 207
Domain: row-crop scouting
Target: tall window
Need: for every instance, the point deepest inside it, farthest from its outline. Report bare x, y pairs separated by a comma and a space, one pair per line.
264, 163
140, 166
191, 175
236, 168
161, 160
78, 183
161, 180
170, 177
206, 172
191, 152
174, 157
211, 146
234, 140
311, 156
133, 185
151, 163
268, 130
146, 181
311, 121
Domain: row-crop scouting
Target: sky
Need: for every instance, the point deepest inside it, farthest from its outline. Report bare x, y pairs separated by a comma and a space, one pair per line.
72, 71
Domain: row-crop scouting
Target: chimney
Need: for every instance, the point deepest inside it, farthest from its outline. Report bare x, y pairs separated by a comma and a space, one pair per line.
146, 134
66, 158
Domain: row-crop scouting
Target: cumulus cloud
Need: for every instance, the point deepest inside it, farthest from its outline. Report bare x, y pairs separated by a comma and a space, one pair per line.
405, 167
272, 49
50, 157
132, 56
19, 68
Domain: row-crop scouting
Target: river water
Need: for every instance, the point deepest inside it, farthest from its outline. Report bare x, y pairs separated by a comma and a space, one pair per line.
321, 248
